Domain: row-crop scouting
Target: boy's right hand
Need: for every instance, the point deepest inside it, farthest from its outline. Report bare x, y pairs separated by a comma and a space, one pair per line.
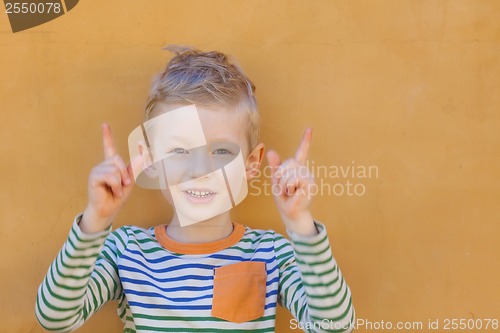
109, 186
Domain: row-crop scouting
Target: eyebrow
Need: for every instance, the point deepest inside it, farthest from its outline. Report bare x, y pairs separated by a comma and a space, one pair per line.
222, 140
175, 138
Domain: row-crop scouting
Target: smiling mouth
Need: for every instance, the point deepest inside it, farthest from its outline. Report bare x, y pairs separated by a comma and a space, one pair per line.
200, 194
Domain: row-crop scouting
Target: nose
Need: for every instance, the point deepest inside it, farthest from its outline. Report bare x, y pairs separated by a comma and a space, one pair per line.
200, 163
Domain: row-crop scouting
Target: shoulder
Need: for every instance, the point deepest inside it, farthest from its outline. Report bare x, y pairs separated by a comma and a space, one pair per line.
265, 236
258, 233
122, 236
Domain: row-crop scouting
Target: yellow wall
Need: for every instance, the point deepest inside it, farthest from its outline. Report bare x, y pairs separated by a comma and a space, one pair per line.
410, 87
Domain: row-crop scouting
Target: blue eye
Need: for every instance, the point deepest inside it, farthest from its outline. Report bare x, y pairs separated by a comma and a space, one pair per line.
179, 151
222, 151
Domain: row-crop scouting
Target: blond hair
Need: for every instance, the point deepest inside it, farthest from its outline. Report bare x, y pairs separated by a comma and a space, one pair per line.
207, 79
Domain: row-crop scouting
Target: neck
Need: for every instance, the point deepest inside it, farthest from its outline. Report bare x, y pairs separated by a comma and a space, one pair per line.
214, 229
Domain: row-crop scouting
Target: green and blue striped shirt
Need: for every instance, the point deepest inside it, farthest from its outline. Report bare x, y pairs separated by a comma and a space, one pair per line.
164, 286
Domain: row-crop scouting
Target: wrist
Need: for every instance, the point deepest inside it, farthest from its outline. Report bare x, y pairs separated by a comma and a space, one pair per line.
302, 225
92, 223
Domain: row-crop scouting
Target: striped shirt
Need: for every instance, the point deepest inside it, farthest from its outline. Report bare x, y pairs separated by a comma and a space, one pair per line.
233, 284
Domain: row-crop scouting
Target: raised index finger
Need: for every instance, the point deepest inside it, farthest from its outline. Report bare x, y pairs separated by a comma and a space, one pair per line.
107, 142
303, 150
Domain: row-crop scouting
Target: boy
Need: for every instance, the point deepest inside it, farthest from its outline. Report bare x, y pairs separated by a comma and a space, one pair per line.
201, 272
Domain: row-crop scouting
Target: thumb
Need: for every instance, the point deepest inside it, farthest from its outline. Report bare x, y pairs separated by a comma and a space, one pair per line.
274, 161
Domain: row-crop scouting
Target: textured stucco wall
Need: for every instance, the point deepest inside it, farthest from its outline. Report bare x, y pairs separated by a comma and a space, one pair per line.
411, 88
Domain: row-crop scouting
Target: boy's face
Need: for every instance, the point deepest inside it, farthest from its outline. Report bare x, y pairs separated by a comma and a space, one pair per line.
197, 158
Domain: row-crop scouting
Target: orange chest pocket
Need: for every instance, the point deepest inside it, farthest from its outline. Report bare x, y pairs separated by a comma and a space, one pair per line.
239, 291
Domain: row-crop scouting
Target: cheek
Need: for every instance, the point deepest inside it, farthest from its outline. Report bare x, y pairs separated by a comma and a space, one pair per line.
168, 196
165, 191
237, 180
172, 172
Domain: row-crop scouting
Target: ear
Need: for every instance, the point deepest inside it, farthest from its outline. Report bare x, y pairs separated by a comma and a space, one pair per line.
254, 160
147, 165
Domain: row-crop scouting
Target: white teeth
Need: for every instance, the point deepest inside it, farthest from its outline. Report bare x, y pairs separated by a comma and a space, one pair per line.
199, 194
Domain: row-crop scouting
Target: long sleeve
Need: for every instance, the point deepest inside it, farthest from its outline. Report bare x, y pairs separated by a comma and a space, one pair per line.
311, 284
81, 279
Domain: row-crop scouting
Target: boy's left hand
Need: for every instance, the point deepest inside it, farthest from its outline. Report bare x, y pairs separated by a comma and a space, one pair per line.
291, 187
